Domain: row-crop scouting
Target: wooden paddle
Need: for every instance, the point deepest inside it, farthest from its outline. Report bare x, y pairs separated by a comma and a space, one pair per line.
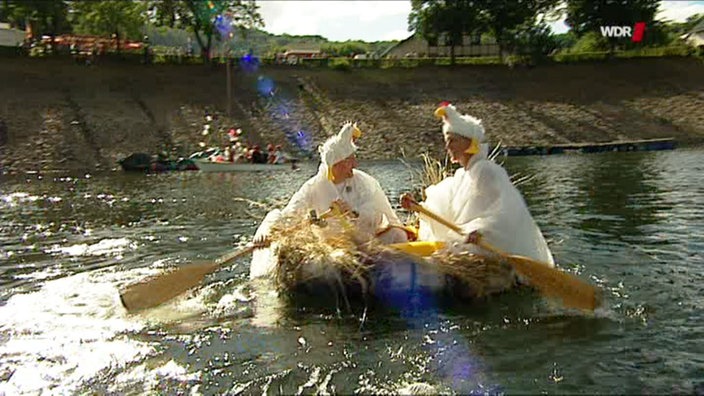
550, 281
162, 288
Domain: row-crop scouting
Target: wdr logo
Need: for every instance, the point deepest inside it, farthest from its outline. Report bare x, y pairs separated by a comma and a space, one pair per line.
635, 33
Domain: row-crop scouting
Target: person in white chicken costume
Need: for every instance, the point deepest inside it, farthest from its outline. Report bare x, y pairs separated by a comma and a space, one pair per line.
480, 197
358, 195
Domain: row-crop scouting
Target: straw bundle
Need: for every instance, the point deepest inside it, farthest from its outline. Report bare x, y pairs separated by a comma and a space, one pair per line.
473, 275
311, 260
307, 252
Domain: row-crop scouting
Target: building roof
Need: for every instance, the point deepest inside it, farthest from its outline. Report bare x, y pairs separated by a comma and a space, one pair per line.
698, 27
299, 51
391, 48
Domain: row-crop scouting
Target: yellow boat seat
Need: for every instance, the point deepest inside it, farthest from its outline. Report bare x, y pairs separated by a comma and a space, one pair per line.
419, 248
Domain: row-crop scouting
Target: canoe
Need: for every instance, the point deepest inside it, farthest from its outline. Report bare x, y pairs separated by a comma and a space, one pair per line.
211, 166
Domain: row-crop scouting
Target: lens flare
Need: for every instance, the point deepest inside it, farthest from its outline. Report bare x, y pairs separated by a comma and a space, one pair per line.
249, 63
265, 86
224, 25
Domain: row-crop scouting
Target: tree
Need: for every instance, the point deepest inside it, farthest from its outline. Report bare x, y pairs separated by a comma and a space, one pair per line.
208, 19
41, 16
453, 19
534, 41
165, 12
450, 20
347, 48
511, 22
693, 20
585, 16
123, 19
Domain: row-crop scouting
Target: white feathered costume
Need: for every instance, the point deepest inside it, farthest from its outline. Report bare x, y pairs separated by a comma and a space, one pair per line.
361, 192
481, 197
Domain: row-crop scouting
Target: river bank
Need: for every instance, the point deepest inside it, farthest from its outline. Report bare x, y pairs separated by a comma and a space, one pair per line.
62, 115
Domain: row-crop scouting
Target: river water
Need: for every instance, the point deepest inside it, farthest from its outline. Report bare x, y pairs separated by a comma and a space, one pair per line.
632, 223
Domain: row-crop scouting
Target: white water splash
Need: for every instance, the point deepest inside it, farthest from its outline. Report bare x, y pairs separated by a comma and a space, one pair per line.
150, 379
75, 330
66, 334
103, 247
17, 197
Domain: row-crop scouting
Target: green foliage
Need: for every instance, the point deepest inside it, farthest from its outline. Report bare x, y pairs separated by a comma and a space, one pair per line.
208, 20
124, 19
261, 43
166, 13
515, 25
590, 42
572, 57
565, 40
448, 21
678, 50
43, 16
534, 42
656, 34
342, 64
587, 16
506, 19
346, 48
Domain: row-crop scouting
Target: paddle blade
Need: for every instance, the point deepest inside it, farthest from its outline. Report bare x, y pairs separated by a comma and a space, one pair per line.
161, 288
551, 282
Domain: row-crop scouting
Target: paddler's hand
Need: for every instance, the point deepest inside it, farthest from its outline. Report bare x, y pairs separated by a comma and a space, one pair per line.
261, 242
407, 201
344, 208
474, 237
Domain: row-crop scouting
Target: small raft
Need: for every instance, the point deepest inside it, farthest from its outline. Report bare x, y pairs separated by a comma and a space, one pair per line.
340, 271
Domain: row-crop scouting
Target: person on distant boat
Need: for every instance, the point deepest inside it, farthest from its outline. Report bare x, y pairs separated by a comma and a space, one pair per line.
480, 197
271, 156
240, 153
258, 157
279, 157
356, 193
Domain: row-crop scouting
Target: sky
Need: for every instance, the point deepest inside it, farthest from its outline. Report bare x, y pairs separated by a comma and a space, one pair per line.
384, 20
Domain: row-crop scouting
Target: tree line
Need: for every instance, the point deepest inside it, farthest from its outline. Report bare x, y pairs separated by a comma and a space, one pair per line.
518, 26
208, 21
521, 26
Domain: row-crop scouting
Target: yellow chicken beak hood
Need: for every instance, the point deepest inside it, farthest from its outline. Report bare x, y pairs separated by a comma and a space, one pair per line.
462, 125
339, 147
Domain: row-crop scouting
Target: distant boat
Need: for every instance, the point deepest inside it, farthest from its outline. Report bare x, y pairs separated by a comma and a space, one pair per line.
142, 162
619, 146
212, 166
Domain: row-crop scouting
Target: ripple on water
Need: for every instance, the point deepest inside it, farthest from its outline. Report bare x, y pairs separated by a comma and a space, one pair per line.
630, 223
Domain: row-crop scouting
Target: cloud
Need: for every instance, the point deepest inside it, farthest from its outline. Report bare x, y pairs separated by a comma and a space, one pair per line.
386, 20
559, 27
678, 11
400, 34
336, 20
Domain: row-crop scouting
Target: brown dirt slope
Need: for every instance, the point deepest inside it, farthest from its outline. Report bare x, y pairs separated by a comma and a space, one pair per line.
61, 115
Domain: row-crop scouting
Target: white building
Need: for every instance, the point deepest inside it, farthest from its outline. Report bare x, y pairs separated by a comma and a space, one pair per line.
695, 37
10, 37
416, 46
